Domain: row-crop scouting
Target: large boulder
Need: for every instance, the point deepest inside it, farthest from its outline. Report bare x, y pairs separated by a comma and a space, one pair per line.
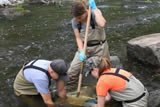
4, 3
145, 48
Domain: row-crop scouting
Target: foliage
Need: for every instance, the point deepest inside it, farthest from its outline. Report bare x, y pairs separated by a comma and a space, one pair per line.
19, 8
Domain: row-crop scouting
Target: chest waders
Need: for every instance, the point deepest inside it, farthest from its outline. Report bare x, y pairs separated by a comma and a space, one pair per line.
38, 68
24, 87
96, 42
114, 94
97, 46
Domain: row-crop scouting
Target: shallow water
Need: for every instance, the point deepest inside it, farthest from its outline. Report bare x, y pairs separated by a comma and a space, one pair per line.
47, 33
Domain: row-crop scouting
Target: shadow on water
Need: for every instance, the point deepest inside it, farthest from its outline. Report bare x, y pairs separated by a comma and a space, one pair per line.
47, 33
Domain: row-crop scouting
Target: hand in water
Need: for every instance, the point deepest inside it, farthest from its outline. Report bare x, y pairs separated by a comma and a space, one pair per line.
62, 94
61, 89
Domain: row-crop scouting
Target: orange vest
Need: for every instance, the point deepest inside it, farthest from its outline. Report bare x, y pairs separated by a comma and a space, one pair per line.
112, 79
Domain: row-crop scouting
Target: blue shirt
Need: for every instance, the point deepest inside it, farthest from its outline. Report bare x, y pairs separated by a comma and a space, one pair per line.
37, 77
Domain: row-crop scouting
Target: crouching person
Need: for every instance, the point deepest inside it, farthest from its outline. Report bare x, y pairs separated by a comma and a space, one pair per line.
120, 84
34, 79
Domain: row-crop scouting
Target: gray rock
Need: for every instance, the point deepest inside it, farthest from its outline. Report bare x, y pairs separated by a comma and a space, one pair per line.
145, 48
4, 3
13, 12
154, 99
115, 61
155, 81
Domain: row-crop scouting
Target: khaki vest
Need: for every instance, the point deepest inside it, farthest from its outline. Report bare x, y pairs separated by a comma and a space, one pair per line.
96, 34
133, 89
22, 86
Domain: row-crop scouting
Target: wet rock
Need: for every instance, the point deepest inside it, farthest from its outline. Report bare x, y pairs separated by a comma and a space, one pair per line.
13, 12
145, 48
54, 2
154, 99
4, 3
155, 81
34, 1
156, 78
115, 61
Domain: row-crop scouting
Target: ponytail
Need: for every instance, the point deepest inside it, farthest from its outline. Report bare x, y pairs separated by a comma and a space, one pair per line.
104, 64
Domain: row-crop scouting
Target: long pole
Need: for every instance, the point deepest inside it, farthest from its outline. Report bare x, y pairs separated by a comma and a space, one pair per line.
85, 46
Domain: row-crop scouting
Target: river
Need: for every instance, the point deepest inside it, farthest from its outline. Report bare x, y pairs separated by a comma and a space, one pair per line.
46, 33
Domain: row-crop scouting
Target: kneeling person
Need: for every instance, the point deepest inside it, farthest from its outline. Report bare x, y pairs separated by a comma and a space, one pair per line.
35, 77
120, 84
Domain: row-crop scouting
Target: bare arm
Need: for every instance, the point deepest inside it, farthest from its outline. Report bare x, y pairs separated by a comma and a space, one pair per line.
100, 20
48, 100
78, 39
61, 89
101, 101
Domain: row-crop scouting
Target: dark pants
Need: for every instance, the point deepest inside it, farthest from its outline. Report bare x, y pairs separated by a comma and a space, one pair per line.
30, 101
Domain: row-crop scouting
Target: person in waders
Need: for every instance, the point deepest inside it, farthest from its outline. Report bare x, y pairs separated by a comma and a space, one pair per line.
32, 82
96, 43
118, 84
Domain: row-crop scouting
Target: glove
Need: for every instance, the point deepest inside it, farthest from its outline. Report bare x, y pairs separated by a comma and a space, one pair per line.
92, 4
82, 56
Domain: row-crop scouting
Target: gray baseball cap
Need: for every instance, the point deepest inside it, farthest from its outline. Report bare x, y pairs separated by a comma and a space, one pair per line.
60, 67
91, 63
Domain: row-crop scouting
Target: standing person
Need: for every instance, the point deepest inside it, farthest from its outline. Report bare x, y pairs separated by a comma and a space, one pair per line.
118, 84
96, 44
34, 79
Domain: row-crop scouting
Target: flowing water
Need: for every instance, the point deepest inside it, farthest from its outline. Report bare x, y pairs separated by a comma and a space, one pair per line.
46, 33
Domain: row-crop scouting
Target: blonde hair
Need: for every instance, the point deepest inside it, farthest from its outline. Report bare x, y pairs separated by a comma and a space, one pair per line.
104, 64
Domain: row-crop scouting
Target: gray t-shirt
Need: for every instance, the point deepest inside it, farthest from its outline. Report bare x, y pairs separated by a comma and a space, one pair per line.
83, 26
37, 77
